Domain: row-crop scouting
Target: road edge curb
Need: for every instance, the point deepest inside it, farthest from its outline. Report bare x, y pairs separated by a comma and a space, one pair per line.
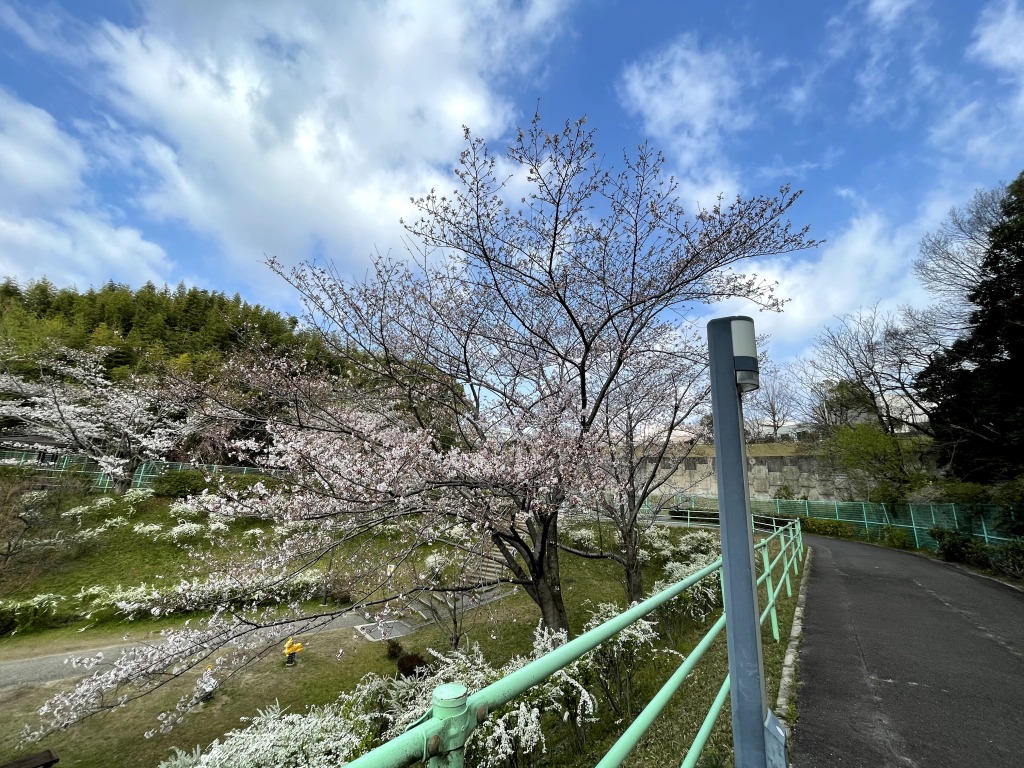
788, 678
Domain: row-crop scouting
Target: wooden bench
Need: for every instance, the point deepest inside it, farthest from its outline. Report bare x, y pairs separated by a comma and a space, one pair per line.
39, 760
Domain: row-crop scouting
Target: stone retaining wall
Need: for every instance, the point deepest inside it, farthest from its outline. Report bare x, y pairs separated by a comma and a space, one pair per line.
803, 474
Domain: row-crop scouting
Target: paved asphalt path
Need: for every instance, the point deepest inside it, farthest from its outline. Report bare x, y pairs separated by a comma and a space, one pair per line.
39, 669
907, 662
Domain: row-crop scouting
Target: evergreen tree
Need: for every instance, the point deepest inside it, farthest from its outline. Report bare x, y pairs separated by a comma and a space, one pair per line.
975, 384
147, 324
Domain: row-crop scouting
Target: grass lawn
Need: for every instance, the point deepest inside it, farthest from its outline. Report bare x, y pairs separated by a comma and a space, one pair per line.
503, 629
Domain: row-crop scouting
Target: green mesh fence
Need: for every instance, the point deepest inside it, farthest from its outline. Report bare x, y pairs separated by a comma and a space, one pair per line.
53, 465
982, 520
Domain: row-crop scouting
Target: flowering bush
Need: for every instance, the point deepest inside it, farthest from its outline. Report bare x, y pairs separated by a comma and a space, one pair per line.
696, 603
186, 530
617, 659
34, 613
380, 708
697, 543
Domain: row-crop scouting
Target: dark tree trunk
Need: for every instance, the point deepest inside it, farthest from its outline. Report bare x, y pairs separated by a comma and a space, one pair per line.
540, 577
634, 582
548, 588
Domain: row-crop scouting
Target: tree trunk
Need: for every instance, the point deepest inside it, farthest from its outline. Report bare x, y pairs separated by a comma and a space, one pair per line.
548, 587
634, 582
542, 582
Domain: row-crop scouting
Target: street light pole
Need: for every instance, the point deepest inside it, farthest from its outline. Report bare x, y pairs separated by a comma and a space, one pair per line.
756, 732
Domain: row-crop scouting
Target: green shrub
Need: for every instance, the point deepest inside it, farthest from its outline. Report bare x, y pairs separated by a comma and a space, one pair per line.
960, 547
241, 483
835, 528
784, 492
394, 649
192, 482
952, 545
898, 538
958, 492
1009, 559
181, 483
409, 664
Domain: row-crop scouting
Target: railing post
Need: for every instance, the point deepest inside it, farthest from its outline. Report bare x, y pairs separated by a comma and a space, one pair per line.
785, 560
913, 524
770, 590
984, 528
798, 546
956, 523
864, 511
837, 510
448, 703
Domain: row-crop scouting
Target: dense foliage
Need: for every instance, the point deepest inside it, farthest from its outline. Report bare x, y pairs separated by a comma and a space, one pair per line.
186, 325
978, 417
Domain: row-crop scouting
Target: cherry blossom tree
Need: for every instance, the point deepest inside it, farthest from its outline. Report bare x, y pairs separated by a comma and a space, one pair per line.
643, 436
505, 376
546, 304
70, 402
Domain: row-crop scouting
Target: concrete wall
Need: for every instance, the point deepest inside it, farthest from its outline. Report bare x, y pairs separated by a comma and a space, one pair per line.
802, 473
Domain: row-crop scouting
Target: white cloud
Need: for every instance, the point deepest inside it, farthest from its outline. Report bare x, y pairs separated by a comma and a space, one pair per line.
881, 48
895, 75
74, 247
980, 127
691, 100
997, 42
888, 13
294, 130
40, 165
866, 261
48, 224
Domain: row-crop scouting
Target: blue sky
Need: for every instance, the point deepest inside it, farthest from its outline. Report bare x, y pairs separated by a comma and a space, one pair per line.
189, 140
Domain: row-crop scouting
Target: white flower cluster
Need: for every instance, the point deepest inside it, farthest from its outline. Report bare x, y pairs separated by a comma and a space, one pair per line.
581, 536
16, 615
697, 602
320, 738
186, 530
435, 564
129, 601
658, 543
382, 707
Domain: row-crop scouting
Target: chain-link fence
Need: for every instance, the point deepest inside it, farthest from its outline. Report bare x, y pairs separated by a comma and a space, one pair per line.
986, 521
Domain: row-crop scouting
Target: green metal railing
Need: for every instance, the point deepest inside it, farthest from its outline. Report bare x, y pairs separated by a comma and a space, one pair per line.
440, 737
47, 464
55, 465
983, 521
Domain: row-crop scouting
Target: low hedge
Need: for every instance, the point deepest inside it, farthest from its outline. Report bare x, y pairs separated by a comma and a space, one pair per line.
192, 482
182, 483
962, 547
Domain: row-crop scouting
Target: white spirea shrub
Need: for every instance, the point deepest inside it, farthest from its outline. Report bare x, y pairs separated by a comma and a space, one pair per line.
697, 602
184, 531
332, 734
322, 737
581, 537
